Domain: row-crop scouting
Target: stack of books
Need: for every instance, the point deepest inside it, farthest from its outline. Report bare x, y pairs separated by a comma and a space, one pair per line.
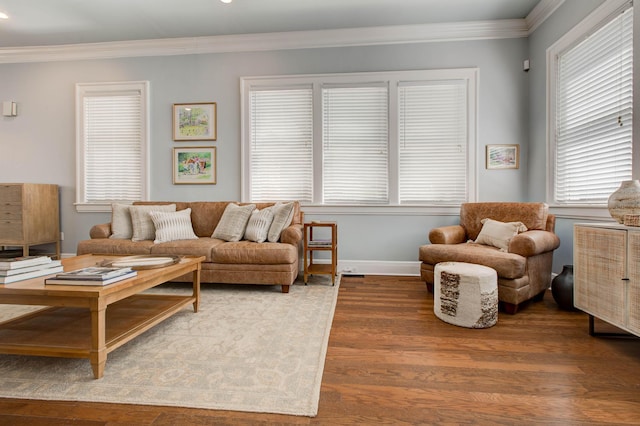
93, 275
27, 267
319, 243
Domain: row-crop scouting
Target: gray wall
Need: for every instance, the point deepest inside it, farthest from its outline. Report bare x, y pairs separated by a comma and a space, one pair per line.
39, 144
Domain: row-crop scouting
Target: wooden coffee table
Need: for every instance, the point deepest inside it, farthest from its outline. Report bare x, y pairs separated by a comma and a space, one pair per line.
77, 323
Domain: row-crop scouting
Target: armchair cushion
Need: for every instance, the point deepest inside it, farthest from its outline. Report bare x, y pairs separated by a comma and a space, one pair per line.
498, 234
507, 265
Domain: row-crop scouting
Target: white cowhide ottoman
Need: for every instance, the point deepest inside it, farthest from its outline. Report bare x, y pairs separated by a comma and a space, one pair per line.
465, 294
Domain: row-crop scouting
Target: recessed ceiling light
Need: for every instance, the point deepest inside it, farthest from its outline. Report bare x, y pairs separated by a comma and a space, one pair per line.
226, 1
4, 15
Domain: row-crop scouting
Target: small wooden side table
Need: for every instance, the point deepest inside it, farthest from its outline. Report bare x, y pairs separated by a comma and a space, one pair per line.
313, 245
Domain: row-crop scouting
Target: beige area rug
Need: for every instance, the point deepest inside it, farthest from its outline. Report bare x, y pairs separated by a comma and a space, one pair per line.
249, 348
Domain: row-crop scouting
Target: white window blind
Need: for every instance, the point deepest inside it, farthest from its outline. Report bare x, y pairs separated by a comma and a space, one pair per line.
112, 142
355, 145
281, 144
593, 114
433, 142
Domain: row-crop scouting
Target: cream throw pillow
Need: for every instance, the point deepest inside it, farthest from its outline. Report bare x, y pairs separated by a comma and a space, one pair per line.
171, 226
498, 234
258, 226
282, 217
143, 228
233, 222
121, 227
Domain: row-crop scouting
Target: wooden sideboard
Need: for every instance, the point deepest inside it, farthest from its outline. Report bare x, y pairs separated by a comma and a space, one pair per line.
606, 274
29, 215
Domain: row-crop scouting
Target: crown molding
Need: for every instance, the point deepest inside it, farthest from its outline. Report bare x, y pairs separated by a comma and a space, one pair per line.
540, 13
369, 36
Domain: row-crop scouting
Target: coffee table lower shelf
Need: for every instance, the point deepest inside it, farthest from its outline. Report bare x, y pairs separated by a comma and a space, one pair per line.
66, 331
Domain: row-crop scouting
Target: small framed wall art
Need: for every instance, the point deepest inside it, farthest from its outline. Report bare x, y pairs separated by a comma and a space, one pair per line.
503, 156
195, 122
194, 165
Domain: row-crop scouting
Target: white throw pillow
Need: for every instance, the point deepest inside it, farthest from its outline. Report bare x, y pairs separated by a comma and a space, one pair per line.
258, 226
282, 217
121, 227
171, 226
233, 222
143, 228
498, 234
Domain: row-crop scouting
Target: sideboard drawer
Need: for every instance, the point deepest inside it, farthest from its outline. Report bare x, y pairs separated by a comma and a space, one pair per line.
10, 194
10, 211
11, 230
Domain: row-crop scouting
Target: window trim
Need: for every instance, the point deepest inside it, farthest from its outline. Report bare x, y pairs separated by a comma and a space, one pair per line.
392, 78
594, 21
82, 89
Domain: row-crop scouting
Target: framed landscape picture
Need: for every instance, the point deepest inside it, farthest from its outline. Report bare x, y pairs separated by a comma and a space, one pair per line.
194, 122
503, 156
194, 165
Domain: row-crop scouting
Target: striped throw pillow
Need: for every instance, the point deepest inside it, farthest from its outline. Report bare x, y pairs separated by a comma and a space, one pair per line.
171, 226
258, 226
233, 222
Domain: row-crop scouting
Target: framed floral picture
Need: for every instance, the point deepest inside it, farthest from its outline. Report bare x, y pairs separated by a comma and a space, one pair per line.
195, 122
194, 165
503, 156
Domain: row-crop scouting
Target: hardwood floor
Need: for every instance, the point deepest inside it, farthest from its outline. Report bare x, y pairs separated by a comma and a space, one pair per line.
391, 361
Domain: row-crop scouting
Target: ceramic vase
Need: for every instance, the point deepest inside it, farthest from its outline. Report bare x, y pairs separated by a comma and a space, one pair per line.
562, 288
625, 200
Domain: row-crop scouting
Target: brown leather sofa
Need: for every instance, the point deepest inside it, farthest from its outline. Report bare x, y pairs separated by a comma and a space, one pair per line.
524, 269
242, 262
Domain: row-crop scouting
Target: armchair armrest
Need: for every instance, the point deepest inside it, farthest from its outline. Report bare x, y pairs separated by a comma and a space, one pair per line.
102, 230
530, 243
292, 234
453, 234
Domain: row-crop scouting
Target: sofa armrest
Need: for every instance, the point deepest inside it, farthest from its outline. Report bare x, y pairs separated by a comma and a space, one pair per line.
534, 242
102, 230
292, 235
454, 234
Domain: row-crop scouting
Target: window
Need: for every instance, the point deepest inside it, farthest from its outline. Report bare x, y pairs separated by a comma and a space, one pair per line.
355, 145
591, 103
366, 139
281, 144
111, 144
433, 142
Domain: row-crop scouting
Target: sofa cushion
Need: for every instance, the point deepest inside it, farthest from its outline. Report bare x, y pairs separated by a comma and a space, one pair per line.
247, 252
117, 247
282, 217
143, 228
258, 226
498, 234
203, 246
233, 222
171, 226
507, 265
121, 227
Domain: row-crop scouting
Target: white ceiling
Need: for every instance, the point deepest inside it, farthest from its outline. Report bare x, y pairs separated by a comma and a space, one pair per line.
59, 22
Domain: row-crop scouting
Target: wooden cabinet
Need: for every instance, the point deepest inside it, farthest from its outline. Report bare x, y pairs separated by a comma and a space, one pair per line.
607, 274
326, 242
29, 215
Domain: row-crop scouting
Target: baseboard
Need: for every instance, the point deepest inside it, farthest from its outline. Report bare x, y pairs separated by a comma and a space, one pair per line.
378, 267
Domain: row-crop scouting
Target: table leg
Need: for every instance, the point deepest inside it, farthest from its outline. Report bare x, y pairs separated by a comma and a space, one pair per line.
196, 289
98, 353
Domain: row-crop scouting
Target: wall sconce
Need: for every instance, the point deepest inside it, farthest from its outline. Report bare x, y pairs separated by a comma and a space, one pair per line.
9, 109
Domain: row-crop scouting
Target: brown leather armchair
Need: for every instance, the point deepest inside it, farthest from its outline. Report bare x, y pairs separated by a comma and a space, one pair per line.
524, 269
